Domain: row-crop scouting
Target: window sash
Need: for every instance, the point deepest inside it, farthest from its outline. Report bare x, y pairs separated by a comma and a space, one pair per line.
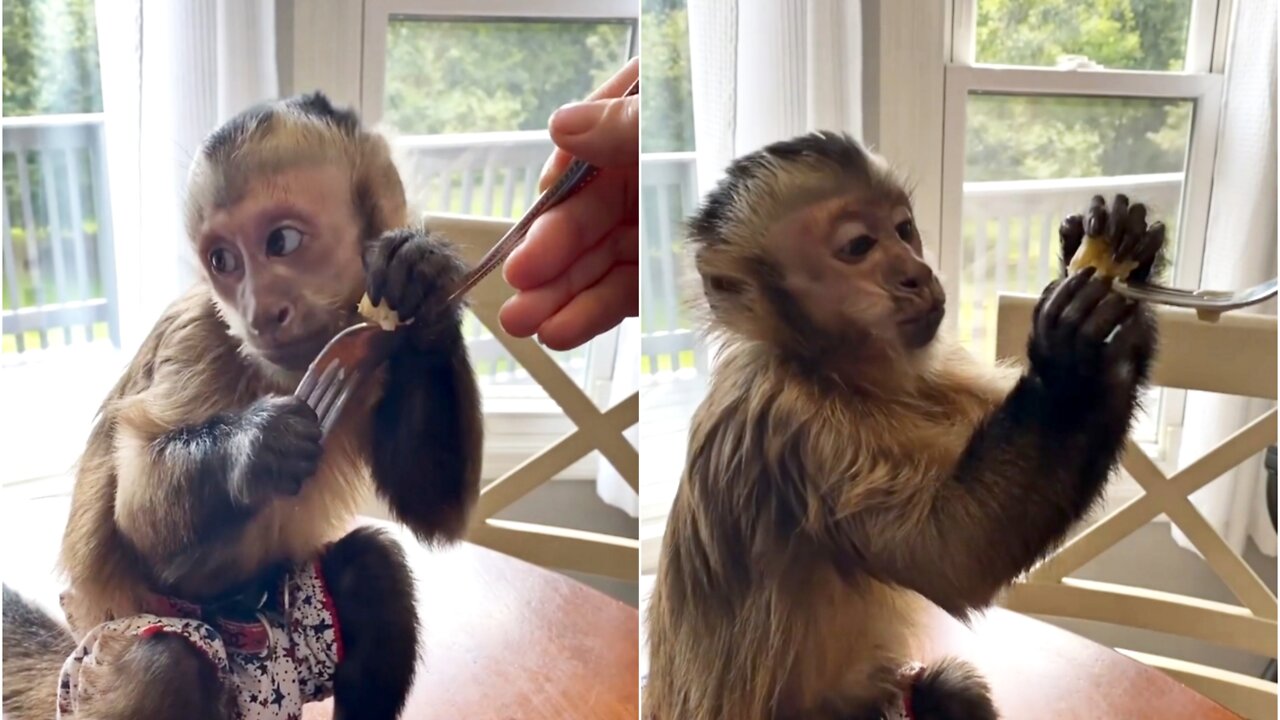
378, 15
1206, 35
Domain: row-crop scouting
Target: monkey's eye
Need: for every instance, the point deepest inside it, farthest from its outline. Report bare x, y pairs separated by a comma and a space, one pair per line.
905, 229
223, 261
283, 240
856, 248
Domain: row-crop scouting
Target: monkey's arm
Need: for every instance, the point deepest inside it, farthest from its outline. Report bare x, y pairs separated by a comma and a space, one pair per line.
427, 429
1031, 468
182, 487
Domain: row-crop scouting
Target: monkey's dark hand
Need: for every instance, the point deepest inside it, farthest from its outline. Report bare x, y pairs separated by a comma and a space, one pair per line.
1124, 226
280, 450
1081, 336
415, 272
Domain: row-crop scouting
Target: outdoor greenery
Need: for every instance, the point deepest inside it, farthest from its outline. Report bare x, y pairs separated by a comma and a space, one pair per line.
1009, 138
667, 100
50, 58
466, 77
1015, 138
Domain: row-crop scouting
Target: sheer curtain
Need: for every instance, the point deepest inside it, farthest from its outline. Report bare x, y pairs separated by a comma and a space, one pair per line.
768, 71
1242, 243
171, 72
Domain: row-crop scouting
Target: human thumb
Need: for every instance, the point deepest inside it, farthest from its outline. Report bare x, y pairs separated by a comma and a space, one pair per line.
605, 133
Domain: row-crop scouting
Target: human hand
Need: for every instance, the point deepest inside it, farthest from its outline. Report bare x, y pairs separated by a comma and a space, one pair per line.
577, 273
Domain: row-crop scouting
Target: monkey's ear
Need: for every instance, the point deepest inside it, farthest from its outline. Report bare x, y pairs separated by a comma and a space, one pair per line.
379, 191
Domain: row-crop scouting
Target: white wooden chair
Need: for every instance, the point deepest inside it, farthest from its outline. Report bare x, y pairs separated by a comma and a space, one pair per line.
546, 545
1236, 356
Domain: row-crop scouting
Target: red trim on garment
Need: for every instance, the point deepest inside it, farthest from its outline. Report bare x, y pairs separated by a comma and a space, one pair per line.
332, 609
248, 637
160, 628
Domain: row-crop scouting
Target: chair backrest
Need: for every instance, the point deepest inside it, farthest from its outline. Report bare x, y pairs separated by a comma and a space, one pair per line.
1237, 356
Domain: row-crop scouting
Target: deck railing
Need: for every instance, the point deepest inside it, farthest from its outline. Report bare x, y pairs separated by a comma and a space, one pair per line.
491, 175
668, 196
59, 272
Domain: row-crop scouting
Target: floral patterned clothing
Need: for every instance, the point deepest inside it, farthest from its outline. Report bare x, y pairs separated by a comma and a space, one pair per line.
276, 665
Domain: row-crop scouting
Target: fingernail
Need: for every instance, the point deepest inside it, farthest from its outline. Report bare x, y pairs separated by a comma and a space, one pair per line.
575, 118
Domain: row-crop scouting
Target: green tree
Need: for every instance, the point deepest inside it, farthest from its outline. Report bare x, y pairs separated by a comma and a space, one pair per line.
1013, 138
464, 77
50, 58
667, 105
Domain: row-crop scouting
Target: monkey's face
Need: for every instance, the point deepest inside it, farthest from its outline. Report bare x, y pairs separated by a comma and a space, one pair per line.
284, 262
855, 263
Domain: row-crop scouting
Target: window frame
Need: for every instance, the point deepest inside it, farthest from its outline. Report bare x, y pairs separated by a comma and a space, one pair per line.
1201, 82
515, 427
378, 15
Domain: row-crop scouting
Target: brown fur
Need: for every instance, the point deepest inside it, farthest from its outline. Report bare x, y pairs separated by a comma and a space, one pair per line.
837, 480
136, 529
790, 606
122, 518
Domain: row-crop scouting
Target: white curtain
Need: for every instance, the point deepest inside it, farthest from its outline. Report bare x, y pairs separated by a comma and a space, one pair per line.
1242, 252
763, 72
171, 72
610, 486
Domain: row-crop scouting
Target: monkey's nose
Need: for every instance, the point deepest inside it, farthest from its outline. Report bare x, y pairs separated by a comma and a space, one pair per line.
271, 321
916, 278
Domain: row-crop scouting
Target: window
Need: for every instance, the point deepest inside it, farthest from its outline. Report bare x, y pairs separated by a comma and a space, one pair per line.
466, 90
56, 294
673, 363
59, 310
1051, 101
467, 93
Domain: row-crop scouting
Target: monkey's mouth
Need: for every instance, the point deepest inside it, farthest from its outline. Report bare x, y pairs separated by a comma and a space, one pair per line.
295, 354
920, 329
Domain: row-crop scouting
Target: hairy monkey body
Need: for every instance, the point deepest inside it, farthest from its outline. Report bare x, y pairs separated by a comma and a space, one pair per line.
850, 464
202, 471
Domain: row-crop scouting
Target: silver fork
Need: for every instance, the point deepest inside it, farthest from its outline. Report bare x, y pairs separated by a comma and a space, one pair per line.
1210, 302
349, 359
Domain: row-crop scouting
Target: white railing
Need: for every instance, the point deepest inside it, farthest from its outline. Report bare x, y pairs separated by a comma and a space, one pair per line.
488, 175
668, 195
59, 272
1010, 236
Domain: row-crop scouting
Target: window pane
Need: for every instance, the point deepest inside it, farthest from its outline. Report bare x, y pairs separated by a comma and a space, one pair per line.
470, 102
56, 281
50, 58
470, 77
1116, 34
1030, 161
667, 98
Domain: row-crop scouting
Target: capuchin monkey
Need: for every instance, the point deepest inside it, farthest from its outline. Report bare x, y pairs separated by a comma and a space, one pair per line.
851, 463
203, 474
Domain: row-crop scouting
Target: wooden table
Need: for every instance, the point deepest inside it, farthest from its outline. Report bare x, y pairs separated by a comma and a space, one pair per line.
1040, 672
505, 639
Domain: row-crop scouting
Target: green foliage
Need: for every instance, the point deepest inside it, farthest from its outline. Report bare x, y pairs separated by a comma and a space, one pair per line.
1015, 138
466, 77
667, 98
50, 57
